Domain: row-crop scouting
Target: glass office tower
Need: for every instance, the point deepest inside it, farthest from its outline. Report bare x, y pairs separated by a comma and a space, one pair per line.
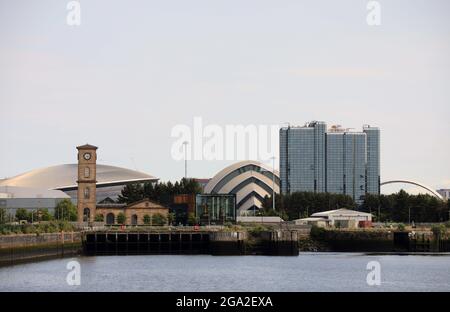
302, 158
313, 159
373, 159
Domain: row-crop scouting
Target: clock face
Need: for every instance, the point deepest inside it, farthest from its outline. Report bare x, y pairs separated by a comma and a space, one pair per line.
87, 156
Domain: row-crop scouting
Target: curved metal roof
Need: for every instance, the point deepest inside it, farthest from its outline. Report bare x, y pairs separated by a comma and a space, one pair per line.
64, 177
249, 180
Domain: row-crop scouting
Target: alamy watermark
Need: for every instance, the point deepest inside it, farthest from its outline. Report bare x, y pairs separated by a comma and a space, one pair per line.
73, 17
229, 142
373, 17
73, 278
373, 278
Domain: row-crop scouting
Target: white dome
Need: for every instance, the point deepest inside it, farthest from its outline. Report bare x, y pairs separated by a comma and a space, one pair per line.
250, 180
64, 177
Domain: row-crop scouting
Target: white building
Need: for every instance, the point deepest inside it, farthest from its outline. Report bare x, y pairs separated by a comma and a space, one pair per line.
445, 193
340, 218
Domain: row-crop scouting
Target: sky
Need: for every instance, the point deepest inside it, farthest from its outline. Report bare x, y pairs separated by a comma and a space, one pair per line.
133, 70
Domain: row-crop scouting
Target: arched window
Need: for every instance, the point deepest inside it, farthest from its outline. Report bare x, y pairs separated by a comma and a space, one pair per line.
86, 193
86, 215
134, 219
110, 218
87, 172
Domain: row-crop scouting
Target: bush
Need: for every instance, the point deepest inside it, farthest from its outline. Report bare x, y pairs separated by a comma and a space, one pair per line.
401, 227
99, 218
23, 214
438, 230
158, 219
147, 219
317, 232
192, 220
121, 218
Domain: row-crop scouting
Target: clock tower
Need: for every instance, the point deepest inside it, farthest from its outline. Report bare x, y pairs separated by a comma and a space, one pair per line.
87, 173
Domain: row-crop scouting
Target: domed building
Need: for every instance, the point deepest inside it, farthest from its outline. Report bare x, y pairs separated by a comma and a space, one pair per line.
110, 180
249, 180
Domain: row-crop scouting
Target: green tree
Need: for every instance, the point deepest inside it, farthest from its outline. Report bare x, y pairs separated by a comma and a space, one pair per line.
23, 214
65, 210
43, 215
3, 216
192, 220
121, 218
147, 219
161, 192
158, 219
99, 218
171, 218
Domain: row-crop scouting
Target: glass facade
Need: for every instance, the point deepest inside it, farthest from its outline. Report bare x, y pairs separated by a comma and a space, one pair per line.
302, 158
313, 159
213, 209
373, 159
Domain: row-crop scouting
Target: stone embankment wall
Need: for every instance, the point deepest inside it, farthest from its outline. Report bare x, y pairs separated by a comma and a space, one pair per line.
28, 247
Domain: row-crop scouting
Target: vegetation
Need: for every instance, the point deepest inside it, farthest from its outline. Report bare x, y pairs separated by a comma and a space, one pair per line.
170, 218
147, 219
401, 227
317, 232
303, 204
438, 230
162, 193
65, 210
158, 219
43, 227
99, 218
121, 218
192, 220
3, 216
403, 207
33, 215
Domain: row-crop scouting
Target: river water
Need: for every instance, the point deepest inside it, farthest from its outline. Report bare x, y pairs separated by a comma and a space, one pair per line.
307, 272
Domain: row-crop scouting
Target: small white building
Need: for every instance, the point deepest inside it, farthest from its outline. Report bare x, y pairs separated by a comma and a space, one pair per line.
340, 218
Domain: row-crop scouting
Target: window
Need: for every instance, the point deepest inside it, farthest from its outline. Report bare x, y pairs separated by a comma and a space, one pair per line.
86, 193
87, 172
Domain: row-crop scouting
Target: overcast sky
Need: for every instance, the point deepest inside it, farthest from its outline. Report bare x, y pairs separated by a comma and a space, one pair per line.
134, 69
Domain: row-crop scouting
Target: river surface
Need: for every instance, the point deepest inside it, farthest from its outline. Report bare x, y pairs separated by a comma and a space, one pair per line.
307, 272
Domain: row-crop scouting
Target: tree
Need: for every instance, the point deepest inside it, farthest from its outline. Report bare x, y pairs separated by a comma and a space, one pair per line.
44, 215
65, 210
170, 218
160, 192
147, 219
121, 218
158, 219
99, 217
3, 216
192, 220
23, 214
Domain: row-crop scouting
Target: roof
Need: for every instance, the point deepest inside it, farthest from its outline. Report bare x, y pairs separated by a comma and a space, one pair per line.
340, 212
250, 180
64, 177
27, 192
152, 204
87, 146
311, 219
258, 219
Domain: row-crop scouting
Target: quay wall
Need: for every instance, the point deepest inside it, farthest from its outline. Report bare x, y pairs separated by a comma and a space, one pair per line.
21, 248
